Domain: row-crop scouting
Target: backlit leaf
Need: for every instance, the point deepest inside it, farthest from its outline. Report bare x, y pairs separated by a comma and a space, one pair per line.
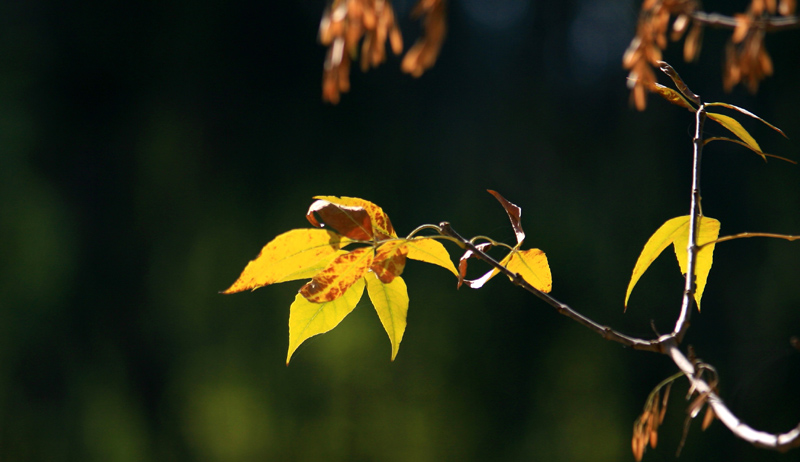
390, 260
748, 113
379, 222
514, 214
333, 281
478, 283
307, 319
430, 251
391, 303
532, 266
736, 128
673, 96
708, 232
297, 254
353, 222
676, 232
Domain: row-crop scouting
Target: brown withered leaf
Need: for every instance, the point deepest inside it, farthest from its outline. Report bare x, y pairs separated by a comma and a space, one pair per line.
514, 214
352, 222
708, 418
379, 221
462, 263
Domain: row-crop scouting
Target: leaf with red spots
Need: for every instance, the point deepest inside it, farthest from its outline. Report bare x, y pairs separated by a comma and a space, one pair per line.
390, 260
332, 282
307, 319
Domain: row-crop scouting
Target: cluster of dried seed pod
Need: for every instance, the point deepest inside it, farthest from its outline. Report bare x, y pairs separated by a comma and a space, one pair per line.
746, 58
645, 49
346, 24
423, 54
645, 428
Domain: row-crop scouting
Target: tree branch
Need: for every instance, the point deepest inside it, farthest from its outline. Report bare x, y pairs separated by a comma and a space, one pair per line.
682, 324
604, 331
769, 23
665, 344
779, 442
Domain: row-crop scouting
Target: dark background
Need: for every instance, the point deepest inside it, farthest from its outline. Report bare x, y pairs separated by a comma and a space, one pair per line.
148, 150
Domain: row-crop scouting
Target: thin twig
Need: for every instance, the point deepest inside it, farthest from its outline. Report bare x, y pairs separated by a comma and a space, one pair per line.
770, 23
787, 237
606, 332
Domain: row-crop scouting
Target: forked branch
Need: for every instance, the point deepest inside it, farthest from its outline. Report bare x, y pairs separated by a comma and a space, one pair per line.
705, 393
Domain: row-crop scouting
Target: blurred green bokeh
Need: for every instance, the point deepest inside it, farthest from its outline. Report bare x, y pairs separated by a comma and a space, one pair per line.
149, 150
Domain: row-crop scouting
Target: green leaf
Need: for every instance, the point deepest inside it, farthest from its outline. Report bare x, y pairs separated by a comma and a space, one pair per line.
391, 303
676, 232
307, 319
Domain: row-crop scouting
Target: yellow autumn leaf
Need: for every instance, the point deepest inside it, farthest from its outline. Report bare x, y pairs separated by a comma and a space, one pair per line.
391, 303
672, 96
307, 319
736, 128
297, 254
708, 232
532, 265
333, 281
430, 251
676, 232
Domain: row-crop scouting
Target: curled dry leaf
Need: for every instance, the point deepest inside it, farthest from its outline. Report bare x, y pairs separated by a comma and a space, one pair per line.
353, 222
514, 214
352, 215
531, 265
708, 418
